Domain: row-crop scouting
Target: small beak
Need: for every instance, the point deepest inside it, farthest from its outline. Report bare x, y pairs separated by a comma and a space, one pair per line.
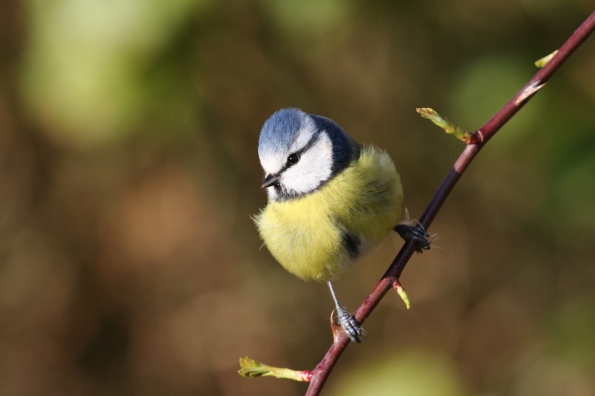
269, 180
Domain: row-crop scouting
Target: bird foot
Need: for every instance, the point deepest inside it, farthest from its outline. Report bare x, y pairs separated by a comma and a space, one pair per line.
349, 325
416, 234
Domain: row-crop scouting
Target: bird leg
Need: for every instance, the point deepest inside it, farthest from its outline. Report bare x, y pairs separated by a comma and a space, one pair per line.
346, 320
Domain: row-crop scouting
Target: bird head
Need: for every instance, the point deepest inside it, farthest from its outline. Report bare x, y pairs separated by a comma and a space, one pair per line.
299, 152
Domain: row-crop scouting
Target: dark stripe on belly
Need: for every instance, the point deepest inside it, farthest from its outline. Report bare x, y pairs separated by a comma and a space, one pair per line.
352, 244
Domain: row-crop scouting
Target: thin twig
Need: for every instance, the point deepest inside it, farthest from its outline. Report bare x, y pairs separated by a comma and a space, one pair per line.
480, 138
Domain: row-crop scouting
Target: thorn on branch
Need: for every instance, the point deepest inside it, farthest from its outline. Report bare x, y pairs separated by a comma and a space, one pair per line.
528, 92
336, 329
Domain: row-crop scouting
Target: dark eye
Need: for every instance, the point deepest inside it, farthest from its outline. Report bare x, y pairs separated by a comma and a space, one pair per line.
293, 159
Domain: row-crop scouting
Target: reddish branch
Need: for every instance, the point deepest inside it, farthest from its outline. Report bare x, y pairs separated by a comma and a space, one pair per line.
480, 138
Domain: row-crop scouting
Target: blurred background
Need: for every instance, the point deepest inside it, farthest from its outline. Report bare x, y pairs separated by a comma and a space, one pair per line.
129, 263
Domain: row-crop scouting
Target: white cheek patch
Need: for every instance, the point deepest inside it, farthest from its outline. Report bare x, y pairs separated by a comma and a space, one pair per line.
313, 168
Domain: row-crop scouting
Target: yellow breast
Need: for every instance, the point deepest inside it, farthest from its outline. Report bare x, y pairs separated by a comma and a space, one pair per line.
307, 234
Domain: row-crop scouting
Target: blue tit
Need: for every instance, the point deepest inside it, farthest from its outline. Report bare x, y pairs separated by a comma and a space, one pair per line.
330, 199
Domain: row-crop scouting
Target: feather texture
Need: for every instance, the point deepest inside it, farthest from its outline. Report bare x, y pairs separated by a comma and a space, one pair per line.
307, 234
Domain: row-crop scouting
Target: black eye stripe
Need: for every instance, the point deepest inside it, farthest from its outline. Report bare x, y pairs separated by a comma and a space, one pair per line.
298, 153
310, 143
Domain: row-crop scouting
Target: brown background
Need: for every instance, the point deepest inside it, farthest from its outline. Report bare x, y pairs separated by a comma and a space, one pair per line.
128, 174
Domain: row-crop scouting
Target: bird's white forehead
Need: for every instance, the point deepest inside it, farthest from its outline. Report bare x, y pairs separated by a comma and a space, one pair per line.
273, 161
